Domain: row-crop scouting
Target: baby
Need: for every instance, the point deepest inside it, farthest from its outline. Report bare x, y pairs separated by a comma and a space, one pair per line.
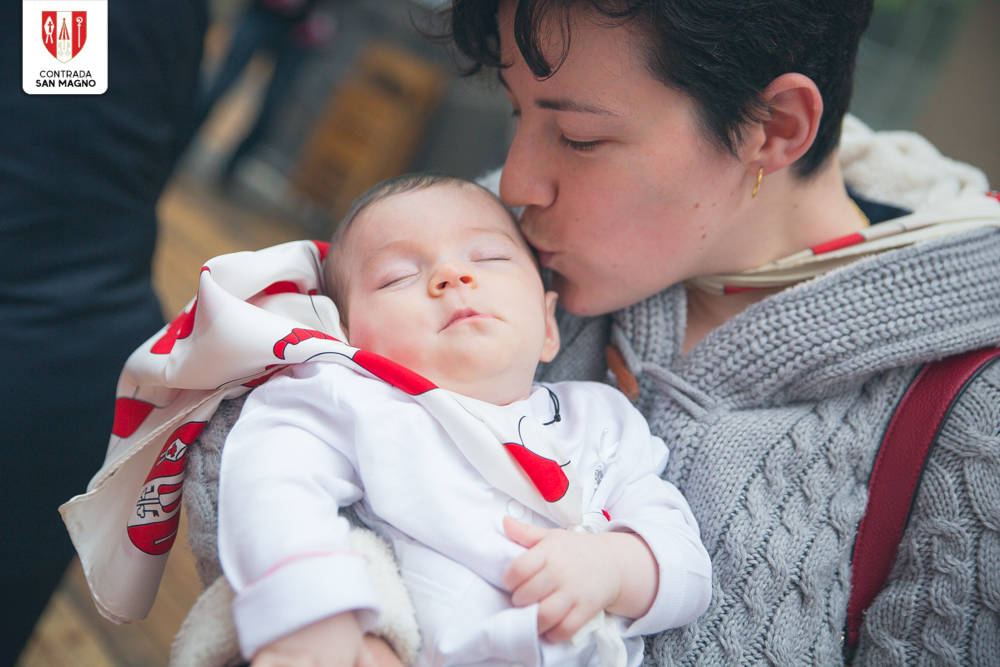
432, 273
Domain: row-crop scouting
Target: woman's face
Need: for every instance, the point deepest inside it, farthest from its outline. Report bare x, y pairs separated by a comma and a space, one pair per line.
623, 194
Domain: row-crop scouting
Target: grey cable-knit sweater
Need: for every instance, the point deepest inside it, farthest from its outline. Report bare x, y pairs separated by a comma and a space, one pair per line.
773, 422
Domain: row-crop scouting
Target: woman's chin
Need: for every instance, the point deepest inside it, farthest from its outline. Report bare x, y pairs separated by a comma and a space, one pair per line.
584, 301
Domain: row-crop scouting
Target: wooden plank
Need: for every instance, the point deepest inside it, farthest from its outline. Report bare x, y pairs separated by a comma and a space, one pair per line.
65, 637
145, 642
194, 226
124, 644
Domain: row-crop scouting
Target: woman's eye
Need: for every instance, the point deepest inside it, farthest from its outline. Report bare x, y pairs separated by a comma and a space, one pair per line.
582, 146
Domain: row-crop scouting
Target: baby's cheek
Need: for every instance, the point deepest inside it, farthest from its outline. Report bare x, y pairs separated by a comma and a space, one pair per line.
360, 335
371, 324
393, 341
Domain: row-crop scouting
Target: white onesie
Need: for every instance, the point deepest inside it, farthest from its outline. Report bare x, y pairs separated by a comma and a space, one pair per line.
322, 436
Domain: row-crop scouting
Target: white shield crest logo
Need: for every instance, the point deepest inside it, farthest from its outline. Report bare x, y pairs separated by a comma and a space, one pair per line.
64, 33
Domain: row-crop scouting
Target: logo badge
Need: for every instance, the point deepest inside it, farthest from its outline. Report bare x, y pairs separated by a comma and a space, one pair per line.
157, 510
64, 34
64, 47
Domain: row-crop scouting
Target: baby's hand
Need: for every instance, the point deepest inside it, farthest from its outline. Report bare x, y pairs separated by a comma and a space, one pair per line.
334, 641
380, 653
572, 576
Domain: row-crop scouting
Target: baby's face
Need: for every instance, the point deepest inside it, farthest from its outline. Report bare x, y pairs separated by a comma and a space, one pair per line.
440, 281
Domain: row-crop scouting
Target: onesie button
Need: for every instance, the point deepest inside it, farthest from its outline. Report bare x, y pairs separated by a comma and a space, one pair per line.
516, 510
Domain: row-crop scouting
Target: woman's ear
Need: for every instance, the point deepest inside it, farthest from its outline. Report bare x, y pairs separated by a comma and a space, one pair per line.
550, 347
795, 107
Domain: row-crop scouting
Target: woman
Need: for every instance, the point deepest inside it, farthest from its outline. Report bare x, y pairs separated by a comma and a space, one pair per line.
661, 152
673, 160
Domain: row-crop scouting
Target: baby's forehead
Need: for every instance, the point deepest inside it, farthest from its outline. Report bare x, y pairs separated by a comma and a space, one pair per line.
492, 216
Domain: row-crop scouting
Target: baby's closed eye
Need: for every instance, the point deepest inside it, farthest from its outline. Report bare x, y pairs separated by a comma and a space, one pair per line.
395, 275
491, 252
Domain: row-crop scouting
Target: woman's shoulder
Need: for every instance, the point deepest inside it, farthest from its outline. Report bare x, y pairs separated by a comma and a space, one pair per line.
970, 432
947, 557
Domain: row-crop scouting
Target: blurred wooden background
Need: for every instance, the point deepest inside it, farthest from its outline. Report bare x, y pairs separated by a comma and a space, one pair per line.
196, 223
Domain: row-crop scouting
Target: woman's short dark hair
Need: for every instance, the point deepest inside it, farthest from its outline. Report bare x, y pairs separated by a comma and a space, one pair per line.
722, 53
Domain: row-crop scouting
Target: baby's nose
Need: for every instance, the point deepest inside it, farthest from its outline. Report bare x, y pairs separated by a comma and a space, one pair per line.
451, 275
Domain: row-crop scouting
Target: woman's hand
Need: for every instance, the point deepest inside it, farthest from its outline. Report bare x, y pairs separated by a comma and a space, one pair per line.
335, 641
573, 576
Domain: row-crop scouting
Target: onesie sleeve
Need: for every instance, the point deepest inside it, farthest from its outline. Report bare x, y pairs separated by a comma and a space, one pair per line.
636, 499
286, 471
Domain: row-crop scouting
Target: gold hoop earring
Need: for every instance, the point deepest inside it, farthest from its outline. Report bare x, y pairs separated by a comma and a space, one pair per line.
756, 186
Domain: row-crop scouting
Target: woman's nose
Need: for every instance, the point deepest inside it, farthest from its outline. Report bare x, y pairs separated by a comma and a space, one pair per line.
451, 275
527, 179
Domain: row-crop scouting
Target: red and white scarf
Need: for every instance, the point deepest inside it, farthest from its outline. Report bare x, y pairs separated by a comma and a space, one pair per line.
935, 222
255, 312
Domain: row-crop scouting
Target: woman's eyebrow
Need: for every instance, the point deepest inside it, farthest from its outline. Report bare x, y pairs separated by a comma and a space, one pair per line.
561, 103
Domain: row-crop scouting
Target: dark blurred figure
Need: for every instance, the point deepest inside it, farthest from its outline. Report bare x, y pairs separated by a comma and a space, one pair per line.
79, 180
289, 31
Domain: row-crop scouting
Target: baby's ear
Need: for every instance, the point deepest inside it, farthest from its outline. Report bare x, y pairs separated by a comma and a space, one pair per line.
551, 345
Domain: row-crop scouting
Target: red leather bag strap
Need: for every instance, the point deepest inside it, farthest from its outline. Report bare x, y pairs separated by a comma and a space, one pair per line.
896, 475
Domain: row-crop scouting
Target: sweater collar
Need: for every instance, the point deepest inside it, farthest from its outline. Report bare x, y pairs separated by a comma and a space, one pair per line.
890, 310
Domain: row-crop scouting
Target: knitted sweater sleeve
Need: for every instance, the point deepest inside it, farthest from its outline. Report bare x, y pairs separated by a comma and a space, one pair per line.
941, 604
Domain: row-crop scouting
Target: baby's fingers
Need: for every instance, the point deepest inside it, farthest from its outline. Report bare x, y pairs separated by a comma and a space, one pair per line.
266, 658
571, 622
523, 568
552, 610
522, 533
538, 587
377, 653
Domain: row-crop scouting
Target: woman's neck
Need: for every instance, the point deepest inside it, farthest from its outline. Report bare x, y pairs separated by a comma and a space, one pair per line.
788, 216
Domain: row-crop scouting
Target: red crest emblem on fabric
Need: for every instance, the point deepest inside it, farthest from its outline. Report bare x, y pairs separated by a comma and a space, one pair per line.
263, 378
129, 415
547, 475
181, 327
64, 34
296, 337
323, 247
153, 528
281, 287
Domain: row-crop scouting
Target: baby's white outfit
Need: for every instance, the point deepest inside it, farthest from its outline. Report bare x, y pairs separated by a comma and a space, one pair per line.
322, 436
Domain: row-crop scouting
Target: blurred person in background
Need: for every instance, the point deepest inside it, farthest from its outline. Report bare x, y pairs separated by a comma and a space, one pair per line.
289, 31
80, 176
